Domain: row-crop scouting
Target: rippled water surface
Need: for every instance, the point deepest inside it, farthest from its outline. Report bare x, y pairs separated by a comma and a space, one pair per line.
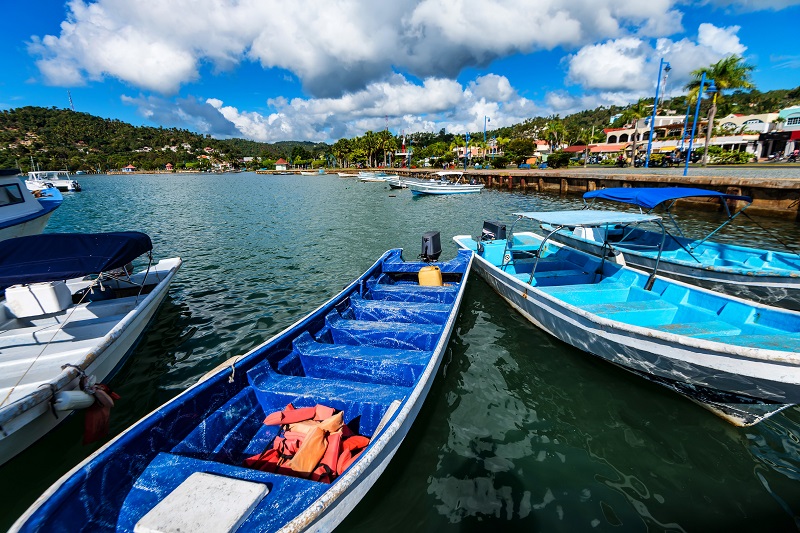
519, 432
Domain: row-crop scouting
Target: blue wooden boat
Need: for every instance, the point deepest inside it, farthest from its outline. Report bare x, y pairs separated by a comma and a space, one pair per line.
766, 276
372, 352
738, 358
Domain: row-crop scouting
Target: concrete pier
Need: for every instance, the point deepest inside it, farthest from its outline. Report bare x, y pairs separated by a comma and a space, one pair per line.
775, 188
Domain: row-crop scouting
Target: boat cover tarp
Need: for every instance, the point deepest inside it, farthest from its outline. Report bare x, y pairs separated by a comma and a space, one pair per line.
650, 197
587, 217
61, 256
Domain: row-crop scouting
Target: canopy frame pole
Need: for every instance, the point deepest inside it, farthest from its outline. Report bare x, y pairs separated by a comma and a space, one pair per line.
730, 219
652, 279
539, 251
509, 237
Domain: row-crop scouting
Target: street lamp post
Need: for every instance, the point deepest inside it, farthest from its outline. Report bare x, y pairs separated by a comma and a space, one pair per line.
694, 124
665, 66
466, 148
685, 122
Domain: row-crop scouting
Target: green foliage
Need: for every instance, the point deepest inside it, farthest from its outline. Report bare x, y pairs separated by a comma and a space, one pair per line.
718, 156
499, 162
60, 139
558, 159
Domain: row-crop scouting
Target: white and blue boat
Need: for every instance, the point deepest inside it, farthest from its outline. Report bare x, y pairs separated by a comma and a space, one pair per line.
766, 276
449, 182
738, 358
22, 213
71, 307
60, 179
370, 353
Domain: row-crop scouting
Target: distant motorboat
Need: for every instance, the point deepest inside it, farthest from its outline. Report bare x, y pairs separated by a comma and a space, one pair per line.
449, 182
58, 178
23, 212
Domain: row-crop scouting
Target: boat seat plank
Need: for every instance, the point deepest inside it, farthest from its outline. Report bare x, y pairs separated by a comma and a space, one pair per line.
784, 343
167, 471
701, 329
355, 398
589, 293
639, 313
402, 292
414, 312
361, 363
396, 335
219, 436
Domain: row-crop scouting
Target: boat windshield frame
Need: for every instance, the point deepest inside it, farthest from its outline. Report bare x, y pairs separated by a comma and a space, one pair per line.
588, 218
668, 197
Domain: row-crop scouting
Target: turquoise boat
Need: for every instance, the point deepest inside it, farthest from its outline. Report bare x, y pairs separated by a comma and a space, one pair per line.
735, 357
766, 276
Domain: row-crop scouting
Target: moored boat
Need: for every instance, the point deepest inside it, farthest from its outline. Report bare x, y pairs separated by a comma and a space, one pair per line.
449, 182
22, 212
737, 358
38, 179
766, 276
55, 332
369, 355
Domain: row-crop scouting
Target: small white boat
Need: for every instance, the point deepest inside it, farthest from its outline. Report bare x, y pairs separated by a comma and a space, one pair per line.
59, 179
737, 358
22, 212
372, 177
347, 175
54, 332
449, 182
396, 182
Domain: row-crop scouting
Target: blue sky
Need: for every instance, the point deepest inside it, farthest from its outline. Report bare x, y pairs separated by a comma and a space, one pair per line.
324, 69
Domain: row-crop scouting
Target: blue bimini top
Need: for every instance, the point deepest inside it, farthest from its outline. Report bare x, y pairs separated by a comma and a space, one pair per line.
61, 256
650, 197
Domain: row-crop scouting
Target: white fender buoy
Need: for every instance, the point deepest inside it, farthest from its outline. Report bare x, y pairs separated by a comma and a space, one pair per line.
68, 400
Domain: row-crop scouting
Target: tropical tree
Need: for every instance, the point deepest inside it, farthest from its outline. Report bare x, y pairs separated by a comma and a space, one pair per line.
632, 114
554, 132
728, 73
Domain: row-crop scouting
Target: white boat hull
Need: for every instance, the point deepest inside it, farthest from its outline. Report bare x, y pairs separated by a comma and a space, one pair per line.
31, 227
35, 417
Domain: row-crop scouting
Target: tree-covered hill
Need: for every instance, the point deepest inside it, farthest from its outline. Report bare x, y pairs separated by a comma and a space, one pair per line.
58, 139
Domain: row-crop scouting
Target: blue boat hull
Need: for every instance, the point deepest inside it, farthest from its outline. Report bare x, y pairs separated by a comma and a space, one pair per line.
372, 351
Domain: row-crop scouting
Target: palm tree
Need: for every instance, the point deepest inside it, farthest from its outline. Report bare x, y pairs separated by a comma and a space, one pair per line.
728, 73
633, 114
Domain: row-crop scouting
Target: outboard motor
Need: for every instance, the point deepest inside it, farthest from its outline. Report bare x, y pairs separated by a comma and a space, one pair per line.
493, 230
431, 246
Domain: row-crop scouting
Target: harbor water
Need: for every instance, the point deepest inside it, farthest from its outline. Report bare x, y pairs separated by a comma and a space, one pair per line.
520, 432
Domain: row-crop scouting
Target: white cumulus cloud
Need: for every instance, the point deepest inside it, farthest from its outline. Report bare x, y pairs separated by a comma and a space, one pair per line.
332, 47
